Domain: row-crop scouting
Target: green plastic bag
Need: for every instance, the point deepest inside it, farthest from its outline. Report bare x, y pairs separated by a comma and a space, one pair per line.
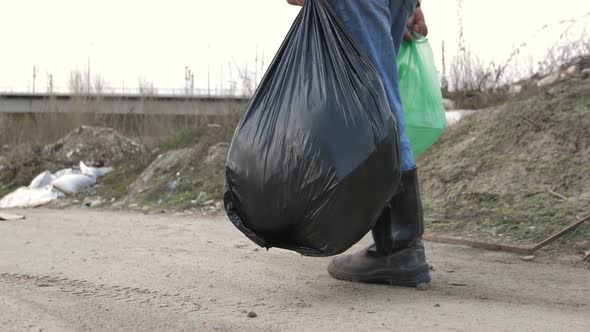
424, 111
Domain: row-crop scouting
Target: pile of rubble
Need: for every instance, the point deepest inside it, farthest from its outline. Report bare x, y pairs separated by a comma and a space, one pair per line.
93, 146
84, 146
190, 179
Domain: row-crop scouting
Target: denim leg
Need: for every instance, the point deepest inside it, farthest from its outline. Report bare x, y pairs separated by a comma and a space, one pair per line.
377, 27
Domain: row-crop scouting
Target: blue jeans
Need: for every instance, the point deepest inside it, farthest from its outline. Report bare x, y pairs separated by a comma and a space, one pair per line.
377, 27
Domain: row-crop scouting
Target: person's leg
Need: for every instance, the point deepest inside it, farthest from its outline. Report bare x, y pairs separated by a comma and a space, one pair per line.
402, 222
378, 26
371, 23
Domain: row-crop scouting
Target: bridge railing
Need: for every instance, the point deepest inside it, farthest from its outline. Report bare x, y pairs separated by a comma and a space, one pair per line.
160, 92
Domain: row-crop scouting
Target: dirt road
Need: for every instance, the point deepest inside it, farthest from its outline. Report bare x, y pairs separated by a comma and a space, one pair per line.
77, 270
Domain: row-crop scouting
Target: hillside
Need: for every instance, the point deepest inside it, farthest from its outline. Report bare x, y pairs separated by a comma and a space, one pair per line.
499, 174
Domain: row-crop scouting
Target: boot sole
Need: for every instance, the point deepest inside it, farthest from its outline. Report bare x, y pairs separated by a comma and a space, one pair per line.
383, 277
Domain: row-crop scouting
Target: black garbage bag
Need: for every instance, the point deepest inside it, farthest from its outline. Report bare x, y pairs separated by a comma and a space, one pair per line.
315, 158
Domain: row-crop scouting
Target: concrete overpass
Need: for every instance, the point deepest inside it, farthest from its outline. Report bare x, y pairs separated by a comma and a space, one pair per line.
121, 104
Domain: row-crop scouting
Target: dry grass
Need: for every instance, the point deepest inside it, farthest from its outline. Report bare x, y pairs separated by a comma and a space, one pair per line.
86, 106
491, 175
475, 84
149, 129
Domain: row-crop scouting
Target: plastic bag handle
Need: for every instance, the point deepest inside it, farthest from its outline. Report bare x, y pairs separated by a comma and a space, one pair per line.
418, 37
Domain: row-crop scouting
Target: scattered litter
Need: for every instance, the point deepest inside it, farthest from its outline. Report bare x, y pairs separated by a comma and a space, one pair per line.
570, 72
455, 116
47, 187
528, 258
160, 170
72, 184
548, 80
173, 184
587, 257
8, 217
150, 213
65, 172
25, 197
42, 180
92, 201
458, 285
515, 89
95, 172
449, 104
252, 314
437, 305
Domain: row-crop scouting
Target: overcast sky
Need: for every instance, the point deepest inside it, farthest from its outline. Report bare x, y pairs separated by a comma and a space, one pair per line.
126, 40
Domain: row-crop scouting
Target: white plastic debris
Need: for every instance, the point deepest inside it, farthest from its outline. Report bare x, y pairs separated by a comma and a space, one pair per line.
10, 217
454, 117
72, 184
42, 180
94, 172
515, 89
449, 104
25, 197
63, 172
548, 80
47, 187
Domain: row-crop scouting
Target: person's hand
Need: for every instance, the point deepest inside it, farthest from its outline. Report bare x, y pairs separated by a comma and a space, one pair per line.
416, 23
296, 2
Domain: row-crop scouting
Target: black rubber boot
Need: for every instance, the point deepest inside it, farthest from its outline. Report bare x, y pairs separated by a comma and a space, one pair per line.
397, 257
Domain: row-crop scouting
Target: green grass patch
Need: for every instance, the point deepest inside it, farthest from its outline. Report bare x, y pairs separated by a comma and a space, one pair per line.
116, 183
180, 139
5, 190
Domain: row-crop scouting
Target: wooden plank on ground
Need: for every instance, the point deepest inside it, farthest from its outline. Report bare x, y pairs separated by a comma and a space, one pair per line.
506, 247
479, 244
8, 216
561, 233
